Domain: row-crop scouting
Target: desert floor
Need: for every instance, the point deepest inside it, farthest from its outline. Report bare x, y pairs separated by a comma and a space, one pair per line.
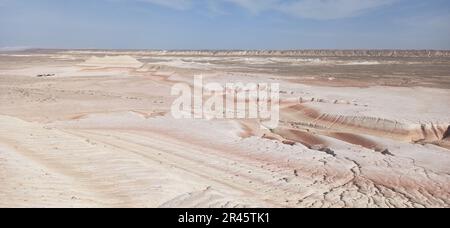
94, 129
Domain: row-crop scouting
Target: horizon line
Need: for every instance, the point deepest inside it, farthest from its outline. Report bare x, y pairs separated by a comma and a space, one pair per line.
218, 50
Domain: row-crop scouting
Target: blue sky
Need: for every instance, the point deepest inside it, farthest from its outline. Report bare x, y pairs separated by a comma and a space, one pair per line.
225, 24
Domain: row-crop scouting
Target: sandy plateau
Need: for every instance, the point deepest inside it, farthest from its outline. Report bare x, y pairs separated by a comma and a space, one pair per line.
94, 129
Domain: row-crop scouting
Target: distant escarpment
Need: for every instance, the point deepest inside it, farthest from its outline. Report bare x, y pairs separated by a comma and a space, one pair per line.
320, 53
299, 53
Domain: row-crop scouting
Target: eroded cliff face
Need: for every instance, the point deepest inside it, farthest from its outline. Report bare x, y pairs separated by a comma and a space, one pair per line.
316, 53
280, 53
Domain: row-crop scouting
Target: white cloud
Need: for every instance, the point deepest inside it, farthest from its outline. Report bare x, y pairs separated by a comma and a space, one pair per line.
331, 9
313, 9
173, 4
255, 6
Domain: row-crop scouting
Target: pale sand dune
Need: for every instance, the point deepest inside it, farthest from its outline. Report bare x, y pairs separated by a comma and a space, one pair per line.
99, 134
